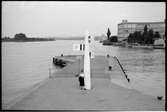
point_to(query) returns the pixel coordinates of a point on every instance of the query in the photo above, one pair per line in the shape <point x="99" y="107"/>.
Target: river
<point x="25" y="64"/>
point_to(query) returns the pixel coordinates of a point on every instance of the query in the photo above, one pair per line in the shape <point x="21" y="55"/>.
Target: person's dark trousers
<point x="81" y="82"/>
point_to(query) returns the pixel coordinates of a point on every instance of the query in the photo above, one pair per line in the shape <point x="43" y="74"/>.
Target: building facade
<point x="125" y="28"/>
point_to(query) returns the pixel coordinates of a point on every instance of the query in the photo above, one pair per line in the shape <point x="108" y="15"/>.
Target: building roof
<point x="142" y="23"/>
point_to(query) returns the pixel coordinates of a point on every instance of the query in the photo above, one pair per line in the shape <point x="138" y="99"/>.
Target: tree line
<point x="147" y="37"/>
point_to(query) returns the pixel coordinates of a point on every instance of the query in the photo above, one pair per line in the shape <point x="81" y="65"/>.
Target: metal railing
<point x="122" y="69"/>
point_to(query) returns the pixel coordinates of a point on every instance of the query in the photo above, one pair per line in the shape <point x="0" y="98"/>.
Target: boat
<point x="59" y="62"/>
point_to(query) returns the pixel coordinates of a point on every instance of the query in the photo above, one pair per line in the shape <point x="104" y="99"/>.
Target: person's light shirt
<point x="82" y="74"/>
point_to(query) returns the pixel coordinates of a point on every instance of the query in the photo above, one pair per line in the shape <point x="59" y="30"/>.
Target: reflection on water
<point x="25" y="64"/>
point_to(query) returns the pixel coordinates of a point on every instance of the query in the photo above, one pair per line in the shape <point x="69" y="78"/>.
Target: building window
<point x="126" y="31"/>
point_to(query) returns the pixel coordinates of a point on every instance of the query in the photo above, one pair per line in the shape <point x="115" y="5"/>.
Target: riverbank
<point x="27" y="39"/>
<point x="107" y="43"/>
<point x="145" y="46"/>
<point x="104" y="95"/>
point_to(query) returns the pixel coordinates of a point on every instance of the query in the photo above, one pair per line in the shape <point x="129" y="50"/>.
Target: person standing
<point x="81" y="80"/>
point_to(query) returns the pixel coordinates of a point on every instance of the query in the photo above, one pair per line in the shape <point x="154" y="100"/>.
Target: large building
<point x="125" y="28"/>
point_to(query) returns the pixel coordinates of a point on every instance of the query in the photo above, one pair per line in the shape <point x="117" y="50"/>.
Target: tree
<point x="145" y="28"/>
<point x="151" y="36"/>
<point x="108" y="34"/>
<point x="20" y="36"/>
<point x="139" y="37"/>
<point x="135" y="37"/>
<point x="145" y="35"/>
<point x="6" y="37"/>
<point x="130" y="37"/>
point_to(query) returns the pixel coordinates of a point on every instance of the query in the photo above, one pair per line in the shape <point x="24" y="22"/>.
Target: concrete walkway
<point x="61" y="93"/>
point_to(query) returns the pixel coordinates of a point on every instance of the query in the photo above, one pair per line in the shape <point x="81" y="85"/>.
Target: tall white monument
<point x="87" y="61"/>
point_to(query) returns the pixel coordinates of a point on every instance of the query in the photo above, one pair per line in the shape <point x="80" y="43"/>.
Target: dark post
<point x="108" y="55"/>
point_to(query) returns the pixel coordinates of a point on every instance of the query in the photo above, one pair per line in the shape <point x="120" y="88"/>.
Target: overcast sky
<point x="73" y="18"/>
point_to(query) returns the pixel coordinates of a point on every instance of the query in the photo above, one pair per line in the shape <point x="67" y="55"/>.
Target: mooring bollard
<point x="110" y="68"/>
<point x="159" y="97"/>
<point x="108" y="55"/>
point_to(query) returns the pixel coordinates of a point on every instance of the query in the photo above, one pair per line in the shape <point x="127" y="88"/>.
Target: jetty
<point x="61" y="91"/>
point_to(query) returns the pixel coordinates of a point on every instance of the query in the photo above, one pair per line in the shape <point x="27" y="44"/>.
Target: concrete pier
<point x="62" y="93"/>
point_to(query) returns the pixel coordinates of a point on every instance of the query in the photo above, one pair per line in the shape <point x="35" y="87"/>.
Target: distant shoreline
<point x="26" y="39"/>
<point x="37" y="39"/>
<point x="69" y="38"/>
